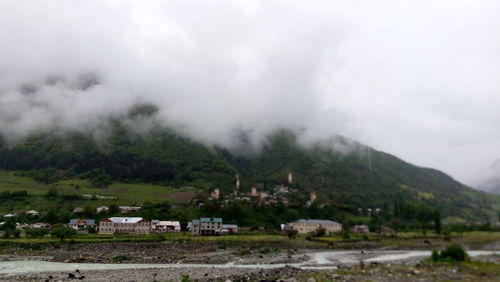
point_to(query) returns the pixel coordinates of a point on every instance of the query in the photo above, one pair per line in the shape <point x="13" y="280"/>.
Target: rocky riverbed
<point x="171" y="261"/>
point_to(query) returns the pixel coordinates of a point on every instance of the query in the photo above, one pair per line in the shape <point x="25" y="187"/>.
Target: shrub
<point x="120" y="258"/>
<point x="291" y="233"/>
<point x="452" y="253"/>
<point x="243" y="252"/>
<point x="320" y="232"/>
<point x="185" y="278"/>
<point x="62" y="232"/>
<point x="36" y="232"/>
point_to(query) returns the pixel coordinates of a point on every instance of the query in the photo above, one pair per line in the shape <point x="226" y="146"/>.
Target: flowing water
<point x="317" y="260"/>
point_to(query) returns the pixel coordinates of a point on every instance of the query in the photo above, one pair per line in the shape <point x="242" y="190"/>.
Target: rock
<point x="71" y="276"/>
<point x="81" y="277"/>
<point x="311" y="280"/>
<point x="416" y="272"/>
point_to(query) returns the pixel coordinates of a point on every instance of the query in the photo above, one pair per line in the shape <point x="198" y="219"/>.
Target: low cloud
<point x="418" y="79"/>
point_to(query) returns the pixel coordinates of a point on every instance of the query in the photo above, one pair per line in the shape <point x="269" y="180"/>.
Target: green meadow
<point x="118" y="192"/>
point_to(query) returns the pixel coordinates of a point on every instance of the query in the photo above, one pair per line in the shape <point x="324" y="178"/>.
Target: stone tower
<point x="313" y="196"/>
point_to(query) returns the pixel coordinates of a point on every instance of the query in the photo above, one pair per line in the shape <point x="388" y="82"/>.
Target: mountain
<point x="339" y="170"/>
<point x="491" y="179"/>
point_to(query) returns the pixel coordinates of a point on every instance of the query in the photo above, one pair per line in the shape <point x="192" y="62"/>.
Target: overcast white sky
<point x="418" y="79"/>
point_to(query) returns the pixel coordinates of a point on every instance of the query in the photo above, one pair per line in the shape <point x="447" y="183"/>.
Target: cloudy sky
<point x="418" y="79"/>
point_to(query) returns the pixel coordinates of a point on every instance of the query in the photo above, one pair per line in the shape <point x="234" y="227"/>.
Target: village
<point x="204" y="226"/>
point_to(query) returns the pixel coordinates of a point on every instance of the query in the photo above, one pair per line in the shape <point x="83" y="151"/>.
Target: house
<point x="32" y="213"/>
<point x="360" y="229"/>
<point x="229" y="228"/>
<point x="310" y="225"/>
<point x="42" y="225"/>
<point x="81" y="224"/>
<point x="206" y="226"/>
<point x="124" y="225"/>
<point x="127" y="209"/>
<point x="22" y="226"/>
<point x="165" y="226"/>
<point x="10" y="215"/>
<point x="78" y="210"/>
<point x="102" y="209"/>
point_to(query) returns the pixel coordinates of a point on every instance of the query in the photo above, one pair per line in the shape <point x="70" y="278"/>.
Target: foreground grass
<point x="427" y="271"/>
<point x="471" y="239"/>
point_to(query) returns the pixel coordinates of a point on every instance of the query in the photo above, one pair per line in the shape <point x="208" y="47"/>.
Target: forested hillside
<point x="354" y="177"/>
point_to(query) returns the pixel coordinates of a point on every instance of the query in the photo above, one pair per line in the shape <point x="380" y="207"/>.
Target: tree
<point x="52" y="193"/>
<point x="320" y="232"/>
<point x="437" y="222"/>
<point x="36" y="232"/>
<point x="51" y="216"/>
<point x="62" y="232"/>
<point x="113" y="209"/>
<point x="291" y="233"/>
<point x="98" y="178"/>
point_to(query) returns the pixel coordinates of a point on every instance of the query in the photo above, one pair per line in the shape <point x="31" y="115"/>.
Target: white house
<point x="310" y="225"/>
<point x="124" y="225"/>
<point x="42" y="225"/>
<point x="165" y="226"/>
<point x="127" y="209"/>
<point x="78" y="210"/>
<point x="102" y="209"/>
<point x="32" y="213"/>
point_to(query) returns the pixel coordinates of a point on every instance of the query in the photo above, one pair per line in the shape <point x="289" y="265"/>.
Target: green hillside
<point x="348" y="177"/>
<point x="154" y="165"/>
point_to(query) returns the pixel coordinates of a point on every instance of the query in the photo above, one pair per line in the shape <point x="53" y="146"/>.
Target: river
<point x="316" y="260"/>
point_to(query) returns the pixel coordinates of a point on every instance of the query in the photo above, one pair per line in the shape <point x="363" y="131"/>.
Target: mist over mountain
<point x="490" y="178"/>
<point x="136" y="148"/>
<point x="381" y="73"/>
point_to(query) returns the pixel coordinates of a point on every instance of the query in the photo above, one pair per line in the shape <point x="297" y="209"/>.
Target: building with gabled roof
<point x="127" y="209"/>
<point x="124" y="225"/>
<point x="32" y="213"/>
<point x="229" y="228"/>
<point x="102" y="209"/>
<point x="81" y="224"/>
<point x="165" y="226"/>
<point x="310" y="225"/>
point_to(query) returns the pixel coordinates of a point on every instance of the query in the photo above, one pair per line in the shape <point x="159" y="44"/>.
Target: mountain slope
<point x="491" y="179"/>
<point x="348" y="176"/>
<point x="338" y="169"/>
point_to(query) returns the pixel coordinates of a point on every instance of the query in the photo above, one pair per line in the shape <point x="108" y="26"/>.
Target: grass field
<point x="473" y="239"/>
<point x="125" y="193"/>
